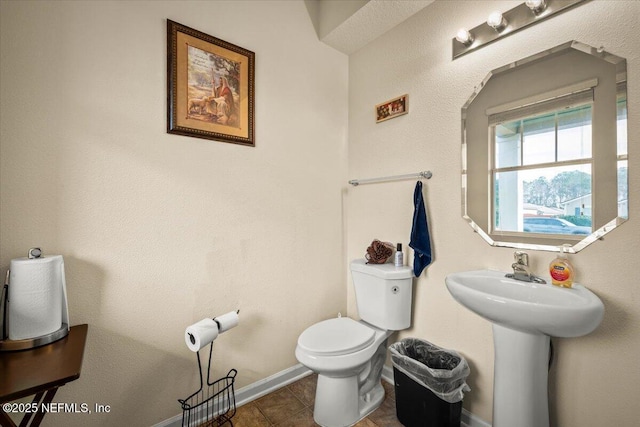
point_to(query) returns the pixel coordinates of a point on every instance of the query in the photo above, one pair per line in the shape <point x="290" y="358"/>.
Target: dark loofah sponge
<point x="379" y="252"/>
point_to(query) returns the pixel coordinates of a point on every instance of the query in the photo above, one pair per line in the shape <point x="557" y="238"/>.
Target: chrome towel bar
<point x="423" y="174"/>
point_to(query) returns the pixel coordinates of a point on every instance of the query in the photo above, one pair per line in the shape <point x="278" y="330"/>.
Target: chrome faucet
<point x="521" y="269"/>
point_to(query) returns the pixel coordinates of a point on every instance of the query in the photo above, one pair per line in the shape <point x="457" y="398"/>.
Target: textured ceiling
<point x="370" y="21"/>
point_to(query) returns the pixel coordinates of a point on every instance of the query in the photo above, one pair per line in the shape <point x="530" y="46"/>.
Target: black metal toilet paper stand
<point x="213" y="404"/>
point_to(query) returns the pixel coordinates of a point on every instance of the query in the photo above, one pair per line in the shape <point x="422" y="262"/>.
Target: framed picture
<point x="393" y="108"/>
<point x="210" y="87"/>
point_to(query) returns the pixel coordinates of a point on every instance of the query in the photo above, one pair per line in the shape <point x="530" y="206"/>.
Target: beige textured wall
<point x="157" y="230"/>
<point x="595" y="379"/>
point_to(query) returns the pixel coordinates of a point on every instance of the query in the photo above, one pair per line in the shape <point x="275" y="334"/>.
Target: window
<point x="542" y="167"/>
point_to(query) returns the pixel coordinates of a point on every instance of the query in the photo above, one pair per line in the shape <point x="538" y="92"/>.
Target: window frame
<point x="552" y="103"/>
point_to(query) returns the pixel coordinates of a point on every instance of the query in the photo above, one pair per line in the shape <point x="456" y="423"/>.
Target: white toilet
<point x="348" y="355"/>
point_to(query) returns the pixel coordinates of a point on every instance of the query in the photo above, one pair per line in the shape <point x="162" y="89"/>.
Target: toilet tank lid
<point x="384" y="271"/>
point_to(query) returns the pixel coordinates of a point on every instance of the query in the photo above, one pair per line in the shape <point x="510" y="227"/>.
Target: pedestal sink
<point x="524" y="316"/>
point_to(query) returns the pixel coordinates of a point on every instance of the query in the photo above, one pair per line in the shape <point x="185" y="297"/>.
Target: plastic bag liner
<point x="442" y="371"/>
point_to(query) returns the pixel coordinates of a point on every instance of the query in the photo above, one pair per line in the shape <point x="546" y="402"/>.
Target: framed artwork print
<point x="210" y="87"/>
<point x="393" y="108"/>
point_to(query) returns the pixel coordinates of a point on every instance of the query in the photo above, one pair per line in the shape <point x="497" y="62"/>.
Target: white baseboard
<point x="255" y="390"/>
<point x="470" y="420"/>
<point x="274" y="382"/>
<point x="283" y="378"/>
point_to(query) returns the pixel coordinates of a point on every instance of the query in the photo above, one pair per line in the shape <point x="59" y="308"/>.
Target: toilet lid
<point x="336" y="336"/>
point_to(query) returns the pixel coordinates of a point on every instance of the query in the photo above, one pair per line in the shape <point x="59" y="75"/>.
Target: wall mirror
<point x="544" y="150"/>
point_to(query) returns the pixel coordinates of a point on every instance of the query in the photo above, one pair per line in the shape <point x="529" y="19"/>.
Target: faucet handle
<point x="521" y="258"/>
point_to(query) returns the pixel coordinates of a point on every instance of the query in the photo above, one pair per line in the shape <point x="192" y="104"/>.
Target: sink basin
<point x="529" y="307"/>
<point x="524" y="315"/>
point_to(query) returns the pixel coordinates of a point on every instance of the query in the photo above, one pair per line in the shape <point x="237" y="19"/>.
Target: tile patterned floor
<point x="292" y="406"/>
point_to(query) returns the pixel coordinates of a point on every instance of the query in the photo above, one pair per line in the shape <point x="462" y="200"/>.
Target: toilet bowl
<point x="348" y="355"/>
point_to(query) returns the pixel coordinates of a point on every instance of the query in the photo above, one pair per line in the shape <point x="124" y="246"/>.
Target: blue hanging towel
<point x="420" y="239"/>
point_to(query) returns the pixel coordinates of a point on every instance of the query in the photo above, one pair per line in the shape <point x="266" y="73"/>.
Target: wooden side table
<point x="40" y="371"/>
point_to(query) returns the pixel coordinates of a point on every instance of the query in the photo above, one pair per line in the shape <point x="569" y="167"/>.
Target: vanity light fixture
<point x="502" y="24"/>
<point x="536" y="6"/>
<point x="496" y="21"/>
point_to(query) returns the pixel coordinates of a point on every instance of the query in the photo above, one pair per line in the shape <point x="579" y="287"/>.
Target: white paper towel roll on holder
<point x="25" y="344"/>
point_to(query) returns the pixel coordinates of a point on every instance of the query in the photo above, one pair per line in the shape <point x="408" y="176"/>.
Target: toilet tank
<point x="383" y="294"/>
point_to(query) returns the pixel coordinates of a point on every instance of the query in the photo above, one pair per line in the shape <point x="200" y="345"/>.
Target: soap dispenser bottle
<point x="399" y="257"/>
<point x="561" y="270"/>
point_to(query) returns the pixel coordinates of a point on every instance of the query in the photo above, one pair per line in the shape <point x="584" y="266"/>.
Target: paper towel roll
<point x="37" y="297"/>
<point x="227" y="321"/>
<point x="200" y="334"/>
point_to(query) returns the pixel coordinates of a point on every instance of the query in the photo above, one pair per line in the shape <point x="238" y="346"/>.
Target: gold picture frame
<point x="392" y="108"/>
<point x="210" y="87"/>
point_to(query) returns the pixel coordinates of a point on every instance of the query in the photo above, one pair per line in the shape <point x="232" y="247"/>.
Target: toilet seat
<point x="335" y="337"/>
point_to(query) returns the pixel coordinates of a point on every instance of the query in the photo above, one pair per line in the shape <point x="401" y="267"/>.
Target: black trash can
<point x="429" y="383"/>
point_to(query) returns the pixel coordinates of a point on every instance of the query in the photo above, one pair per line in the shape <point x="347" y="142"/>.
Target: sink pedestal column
<point x="520" y="389"/>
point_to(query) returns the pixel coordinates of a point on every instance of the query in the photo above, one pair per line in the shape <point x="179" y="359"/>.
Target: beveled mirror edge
<point x="598" y="234"/>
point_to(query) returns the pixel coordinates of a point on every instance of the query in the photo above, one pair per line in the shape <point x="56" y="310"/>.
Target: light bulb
<point x="464" y="36"/>
<point x="496" y="21"/>
<point x="536" y="6"/>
